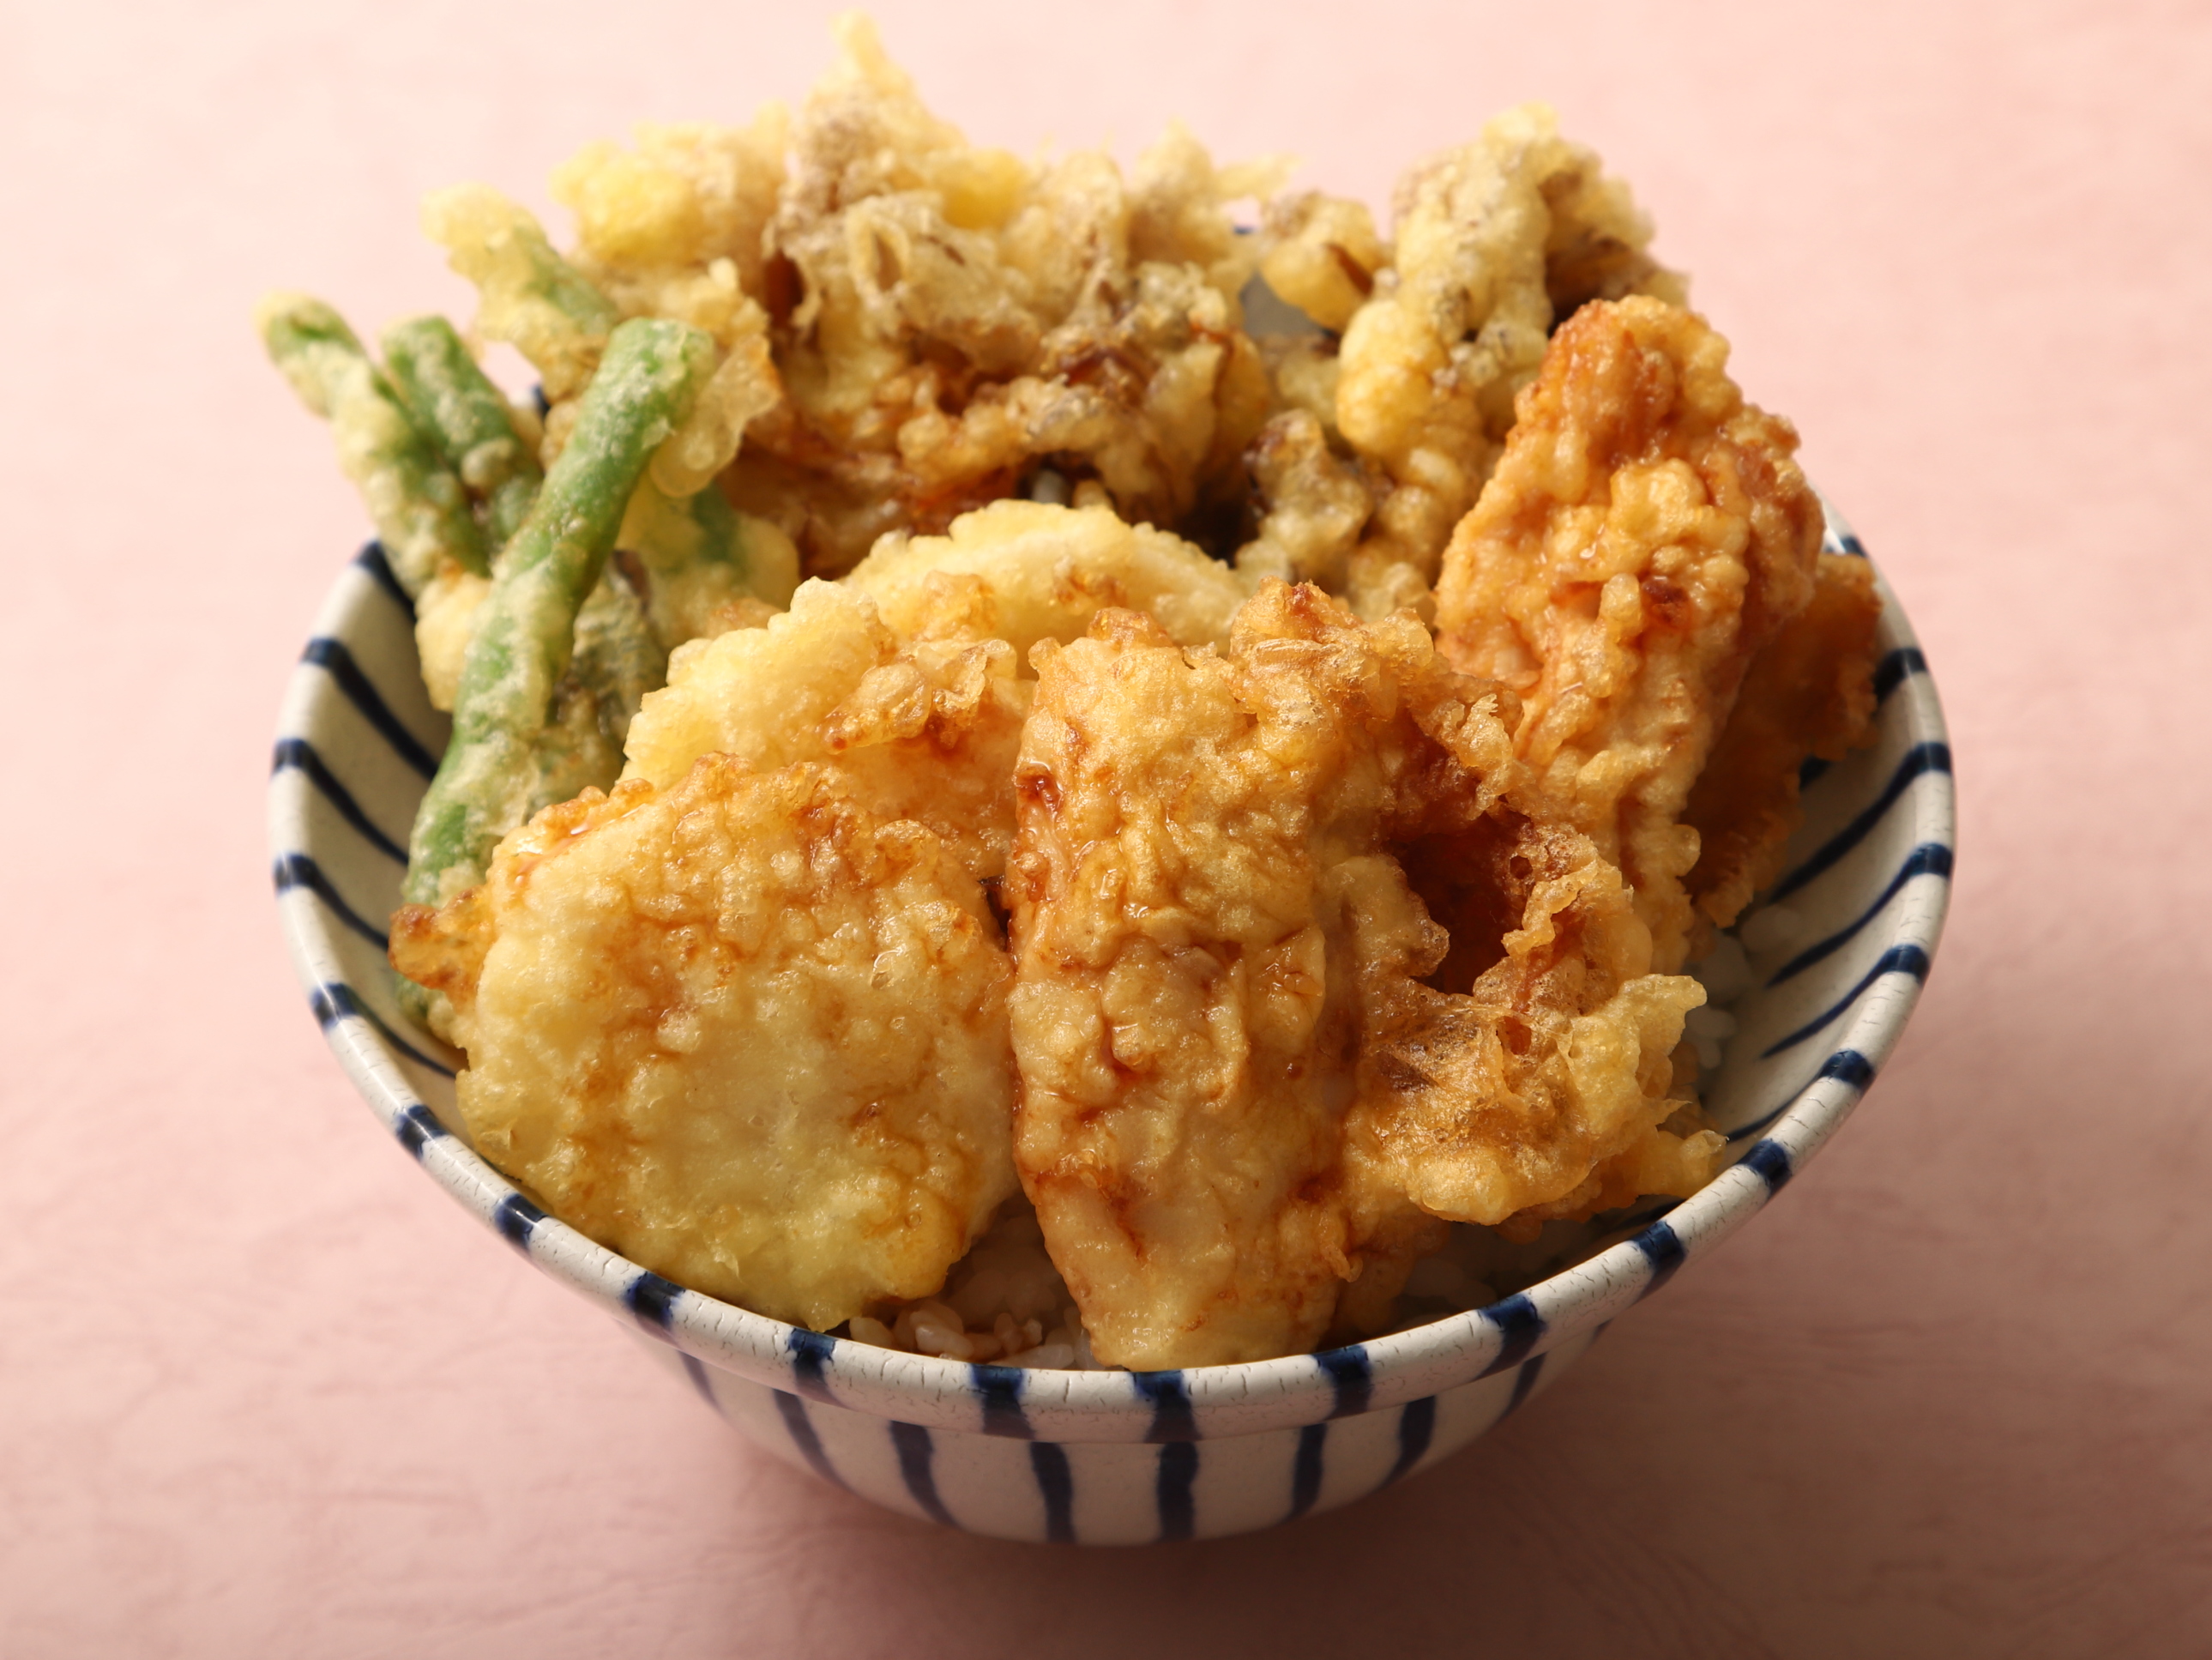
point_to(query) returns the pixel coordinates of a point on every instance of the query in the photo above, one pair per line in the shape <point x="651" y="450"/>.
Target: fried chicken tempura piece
<point x="1046" y="571"/>
<point x="1809" y="692"/>
<point x="1547" y="1089"/>
<point x="1646" y="534"/>
<point x="1238" y="1098"/>
<point x="925" y="729"/>
<point x="1496" y="240"/>
<point x="743" y="1031"/>
<point x="1178" y="905"/>
<point x="904" y="677"/>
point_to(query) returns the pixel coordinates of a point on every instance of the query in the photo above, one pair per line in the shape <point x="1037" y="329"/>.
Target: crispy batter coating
<point x="1322" y="255"/>
<point x="1646" y="534"/>
<point x="1237" y="1093"/>
<point x="904" y="676"/>
<point x="445" y="615"/>
<point x="1496" y="240"/>
<point x="947" y="316"/>
<point x="924" y="729"/>
<point x="651" y="220"/>
<point x="673" y="227"/>
<point x="694" y="583"/>
<point x="1809" y="692"/>
<point x="1327" y="934"/>
<point x="1046" y="571"/>
<point x="523" y="298"/>
<point x="1547" y="1089"/>
<point x="743" y="1031"/>
<point x="1312" y="505"/>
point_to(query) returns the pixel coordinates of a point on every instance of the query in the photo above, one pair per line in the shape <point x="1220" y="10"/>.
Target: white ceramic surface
<point x="1113" y="1456"/>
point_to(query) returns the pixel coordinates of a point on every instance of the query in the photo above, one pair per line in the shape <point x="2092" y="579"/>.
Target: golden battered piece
<point x="743" y="1031"/>
<point x="1809" y="692"/>
<point x="947" y="317"/>
<point x="923" y="729"/>
<point x="1311" y="505"/>
<point x="1046" y="571"/>
<point x="1646" y="534"/>
<point x="1547" y="1089"/>
<point x="1327" y="934"/>
<point x="673" y="228"/>
<point x="1496" y="242"/>
<point x="904" y="676"/>
<point x="1322" y="255"/>
<point x="1238" y="1095"/>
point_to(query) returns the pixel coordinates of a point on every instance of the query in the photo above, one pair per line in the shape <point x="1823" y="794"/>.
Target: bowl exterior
<point x="1839" y="951"/>
<point x="1007" y="1484"/>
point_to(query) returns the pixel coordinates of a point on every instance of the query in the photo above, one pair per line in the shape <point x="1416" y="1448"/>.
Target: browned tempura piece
<point x="1809" y="692"/>
<point x="1238" y="1097"/>
<point x="1646" y="534"/>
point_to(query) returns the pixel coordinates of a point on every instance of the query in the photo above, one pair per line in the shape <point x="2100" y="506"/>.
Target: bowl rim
<point x="1188" y="1403"/>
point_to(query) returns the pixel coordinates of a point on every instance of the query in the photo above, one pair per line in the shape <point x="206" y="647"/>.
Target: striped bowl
<point x="1837" y="953"/>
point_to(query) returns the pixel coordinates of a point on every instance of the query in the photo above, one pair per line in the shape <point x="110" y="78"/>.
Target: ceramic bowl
<point x="1837" y="953"/>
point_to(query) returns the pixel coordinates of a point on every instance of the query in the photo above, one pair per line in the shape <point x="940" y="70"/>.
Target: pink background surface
<point x="263" y="1390"/>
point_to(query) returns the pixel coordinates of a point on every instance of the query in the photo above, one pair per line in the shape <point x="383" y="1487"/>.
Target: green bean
<point x="415" y="500"/>
<point x="524" y="635"/>
<point x="617" y="660"/>
<point x="456" y="402"/>
<point x="529" y="295"/>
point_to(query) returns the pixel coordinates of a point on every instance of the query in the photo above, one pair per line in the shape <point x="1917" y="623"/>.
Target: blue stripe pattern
<point x="696" y="1371"/>
<point x="1919" y="760"/>
<point x="1172" y="1418"/>
<point x="1522" y="1326"/>
<point x="417" y="1127"/>
<point x="334" y="660"/>
<point x="1178" y="1475"/>
<point x="1417" y="1424"/>
<point x="811" y="1354"/>
<point x="1663" y="1250"/>
<point x="652" y="1300"/>
<point x="517" y="1220"/>
<point x="1770" y="1161"/>
<point x="1889" y="674"/>
<point x="1354" y="1378"/>
<point x="915" y="1449"/>
<point x="1524" y="1385"/>
<point x="1847" y="1066"/>
<point x="296" y="870"/>
<point x="1000" y="1388"/>
<point x="297" y="754"/>
<point x="1928" y="858"/>
<point x="792" y="1411"/>
<point x="372" y="560"/>
<point x="335" y="1001"/>
<point x="1892" y="672"/>
<point x="1056" y="1483"/>
<point x="1851" y="1067"/>
<point x="1898" y="959"/>
<point x="1306" y="1470"/>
